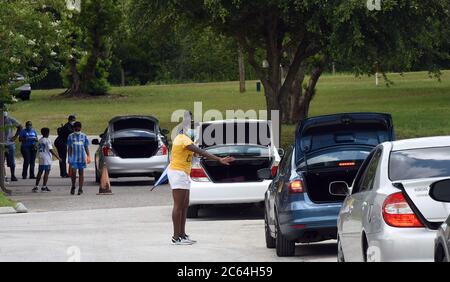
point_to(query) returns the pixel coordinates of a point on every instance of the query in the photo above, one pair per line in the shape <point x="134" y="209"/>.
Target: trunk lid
<point x="147" y="123"/>
<point x="356" y="129"/>
<point x="418" y="191"/>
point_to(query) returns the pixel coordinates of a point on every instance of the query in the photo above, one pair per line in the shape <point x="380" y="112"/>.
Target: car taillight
<point x="162" y="151"/>
<point x="107" y="151"/>
<point x="398" y="213"/>
<point x="296" y="186"/>
<point x="198" y="174"/>
<point x="274" y="170"/>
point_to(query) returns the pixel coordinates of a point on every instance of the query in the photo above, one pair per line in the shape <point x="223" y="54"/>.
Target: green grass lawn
<point x="5" y="202"/>
<point x="420" y="105"/>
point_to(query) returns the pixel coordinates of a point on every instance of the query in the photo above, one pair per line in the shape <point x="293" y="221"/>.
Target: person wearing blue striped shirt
<point x="79" y="156"/>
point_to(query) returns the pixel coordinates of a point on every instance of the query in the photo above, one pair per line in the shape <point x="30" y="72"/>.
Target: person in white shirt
<point x="46" y="154"/>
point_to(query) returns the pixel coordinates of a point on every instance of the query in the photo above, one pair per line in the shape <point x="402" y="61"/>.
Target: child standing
<point x="46" y="151"/>
<point x="78" y="152"/>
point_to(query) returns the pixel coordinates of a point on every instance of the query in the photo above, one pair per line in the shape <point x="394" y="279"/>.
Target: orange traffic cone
<point x="105" y="184"/>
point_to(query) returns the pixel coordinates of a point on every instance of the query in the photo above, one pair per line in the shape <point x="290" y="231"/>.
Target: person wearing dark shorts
<point x="29" y="137"/>
<point x="45" y="150"/>
<point x="61" y="144"/>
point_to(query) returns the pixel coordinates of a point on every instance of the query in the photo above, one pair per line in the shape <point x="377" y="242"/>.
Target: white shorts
<point x="178" y="179"/>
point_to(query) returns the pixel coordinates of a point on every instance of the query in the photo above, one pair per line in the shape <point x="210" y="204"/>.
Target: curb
<point x="7" y="210"/>
<point x="20" y="208"/>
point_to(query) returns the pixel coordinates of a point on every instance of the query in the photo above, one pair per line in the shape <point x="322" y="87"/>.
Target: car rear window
<point x="419" y="163"/>
<point x="255" y="133"/>
<point x="134" y="123"/>
<point x="247" y="151"/>
<point x="336" y="159"/>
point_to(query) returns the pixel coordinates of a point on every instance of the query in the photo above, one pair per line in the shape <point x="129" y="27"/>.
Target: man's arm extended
<point x="19" y="129"/>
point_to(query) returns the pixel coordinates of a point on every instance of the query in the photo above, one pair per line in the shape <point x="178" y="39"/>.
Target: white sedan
<point x="388" y="214"/>
<point x="251" y="143"/>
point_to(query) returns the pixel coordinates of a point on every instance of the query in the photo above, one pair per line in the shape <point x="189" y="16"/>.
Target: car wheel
<point x="157" y="176"/>
<point x="365" y="248"/>
<point x="340" y="254"/>
<point x="24" y="95"/>
<point x="284" y="247"/>
<point x="270" y="241"/>
<point x="439" y="255"/>
<point x="192" y="212"/>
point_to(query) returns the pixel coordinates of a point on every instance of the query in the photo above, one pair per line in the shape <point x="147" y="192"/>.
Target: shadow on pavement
<point x="132" y="183"/>
<point x="316" y="250"/>
<point x="238" y="212"/>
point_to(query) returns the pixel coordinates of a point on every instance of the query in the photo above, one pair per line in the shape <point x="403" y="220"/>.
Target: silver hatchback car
<point x="388" y="214"/>
<point x="132" y="146"/>
<point x="440" y="191"/>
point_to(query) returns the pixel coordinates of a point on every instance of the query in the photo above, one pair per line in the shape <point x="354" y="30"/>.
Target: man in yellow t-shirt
<point x="178" y="173"/>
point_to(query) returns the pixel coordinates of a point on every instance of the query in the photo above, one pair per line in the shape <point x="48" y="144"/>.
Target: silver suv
<point x="132" y="146"/>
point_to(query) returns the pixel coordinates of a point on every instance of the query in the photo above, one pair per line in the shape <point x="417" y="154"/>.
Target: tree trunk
<point x="2" y="152"/>
<point x="75" y="87"/>
<point x="89" y="71"/>
<point x="122" y="76"/>
<point x="295" y="101"/>
<point x="241" y="71"/>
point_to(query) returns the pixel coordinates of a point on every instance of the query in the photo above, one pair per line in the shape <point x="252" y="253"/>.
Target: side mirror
<point x="281" y="152"/>
<point x="265" y="173"/>
<point x="165" y="131"/>
<point x="95" y="142"/>
<point x="440" y="191"/>
<point x="339" y="188"/>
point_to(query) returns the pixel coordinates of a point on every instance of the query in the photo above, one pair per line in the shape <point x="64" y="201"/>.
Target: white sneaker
<point x="180" y="241"/>
<point x="187" y="238"/>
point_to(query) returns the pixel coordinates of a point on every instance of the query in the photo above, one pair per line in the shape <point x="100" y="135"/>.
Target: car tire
<point x="157" y="176"/>
<point x="284" y="247"/>
<point x="439" y="255"/>
<point x="270" y="241"/>
<point x="340" y="253"/>
<point x="24" y="95"/>
<point x="192" y="212"/>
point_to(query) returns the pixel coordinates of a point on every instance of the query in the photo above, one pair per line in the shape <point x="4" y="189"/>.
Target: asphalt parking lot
<point x="134" y="224"/>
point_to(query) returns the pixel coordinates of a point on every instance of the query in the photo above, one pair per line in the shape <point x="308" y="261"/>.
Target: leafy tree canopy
<point x="304" y="36"/>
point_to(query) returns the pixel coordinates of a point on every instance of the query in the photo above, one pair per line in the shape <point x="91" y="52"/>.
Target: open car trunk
<point x="134" y="136"/>
<point x="130" y="144"/>
<point x="248" y="141"/>
<point x="318" y="183"/>
<point x="244" y="169"/>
